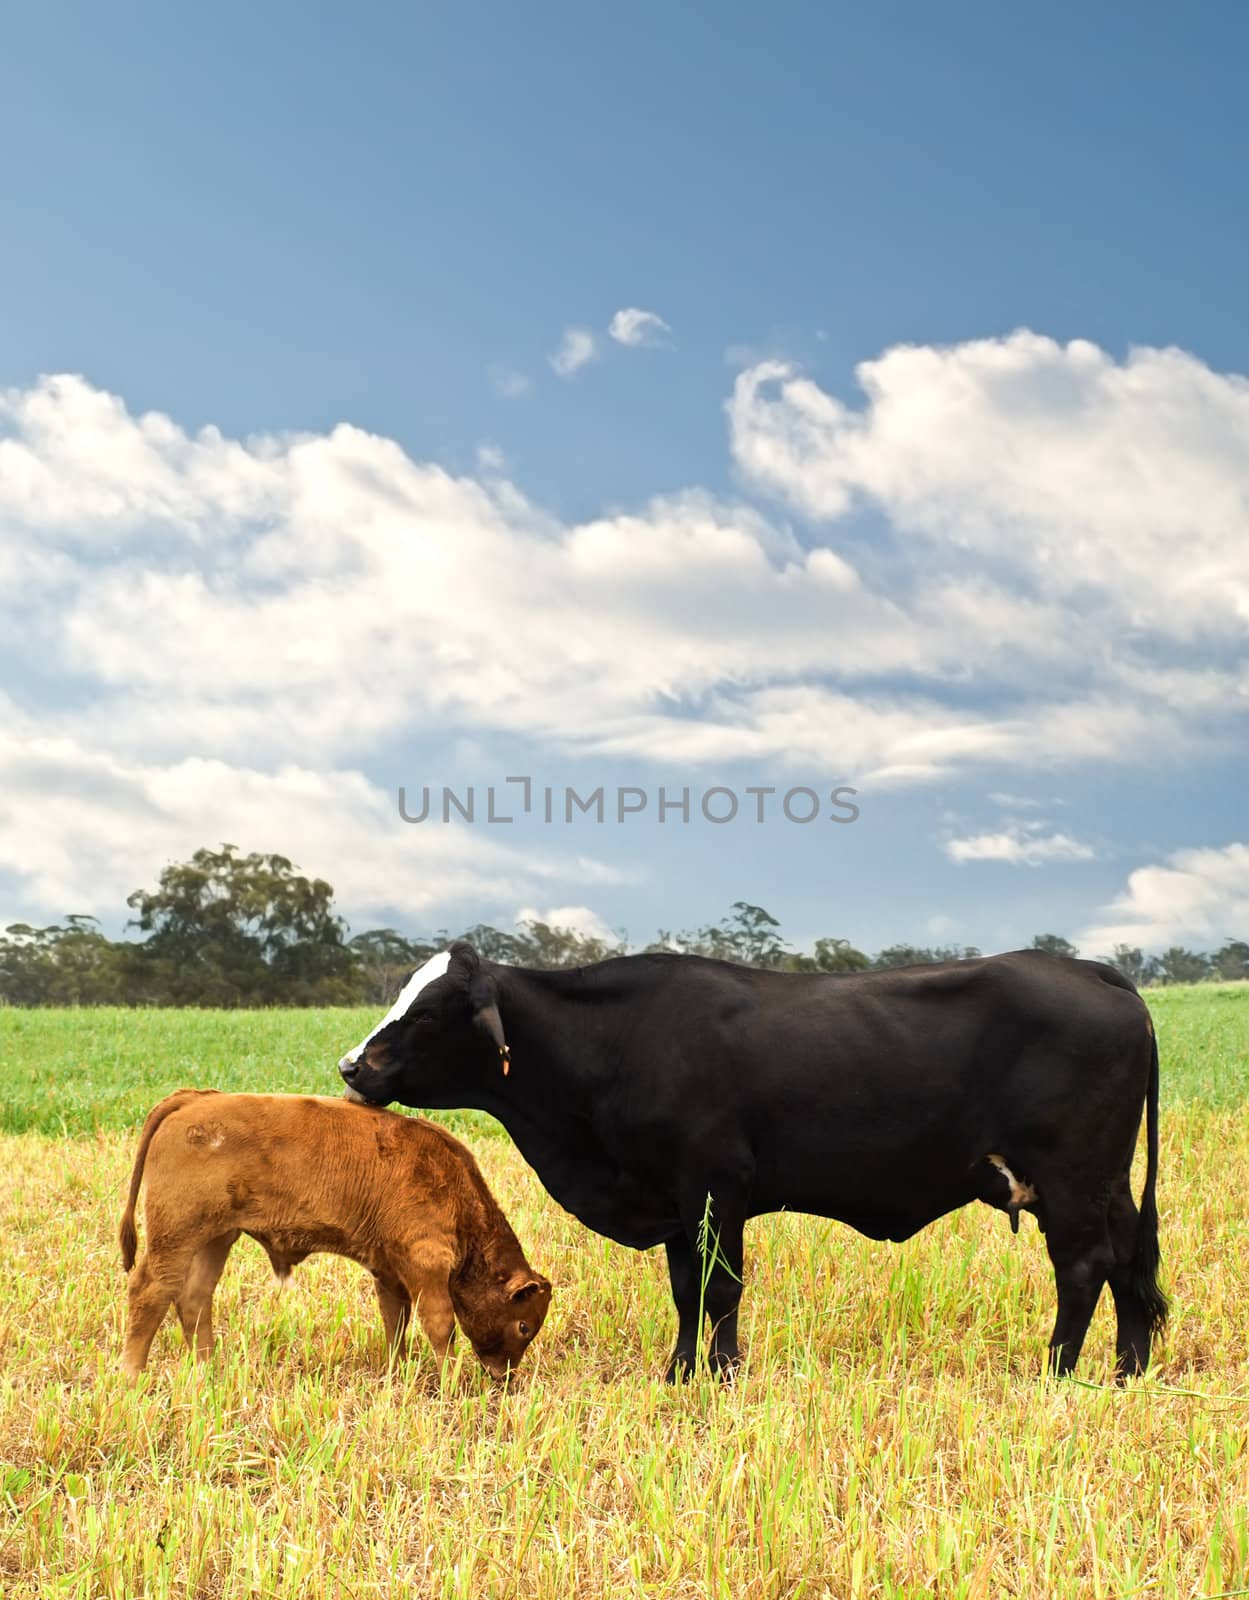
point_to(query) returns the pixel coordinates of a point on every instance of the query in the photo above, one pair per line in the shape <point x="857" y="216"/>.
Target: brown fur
<point x="302" y="1173"/>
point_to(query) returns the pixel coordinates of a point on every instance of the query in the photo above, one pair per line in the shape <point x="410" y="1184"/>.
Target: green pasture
<point x="81" y="1071"/>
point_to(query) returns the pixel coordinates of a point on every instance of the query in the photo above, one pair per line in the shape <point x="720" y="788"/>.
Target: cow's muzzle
<point x="348" y="1069"/>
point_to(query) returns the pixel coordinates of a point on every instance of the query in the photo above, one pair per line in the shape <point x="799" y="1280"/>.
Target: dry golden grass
<point x="890" y="1436"/>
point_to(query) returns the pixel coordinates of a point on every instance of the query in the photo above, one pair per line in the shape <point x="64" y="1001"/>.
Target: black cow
<point x="654" y="1093"/>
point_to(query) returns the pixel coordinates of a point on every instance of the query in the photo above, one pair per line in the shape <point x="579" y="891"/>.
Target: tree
<point x="539" y="944"/>
<point x="1054" y="945"/>
<point x="1179" y="965"/>
<point x="747" y="936"/>
<point x="1131" y="963"/>
<point x="73" y="964"/>
<point x="227" y="929"/>
<point x="383" y="958"/>
<point x="1231" y="960"/>
<point x="909" y="955"/>
<point x="830" y="955"/>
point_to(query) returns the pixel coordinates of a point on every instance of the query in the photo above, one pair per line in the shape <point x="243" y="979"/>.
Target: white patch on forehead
<point x="420" y="979"/>
<point x="1021" y="1194"/>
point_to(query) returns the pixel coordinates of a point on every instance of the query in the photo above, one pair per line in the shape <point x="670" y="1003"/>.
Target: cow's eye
<point x="524" y="1329"/>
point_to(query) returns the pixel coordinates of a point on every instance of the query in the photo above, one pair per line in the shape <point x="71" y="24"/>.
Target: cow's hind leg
<point x="1133" y="1310"/>
<point x="1078" y="1238"/>
<point x="195" y="1297"/>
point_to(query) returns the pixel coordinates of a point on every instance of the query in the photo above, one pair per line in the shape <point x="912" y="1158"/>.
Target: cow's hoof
<point x="680" y="1368"/>
<point x="725" y="1366"/>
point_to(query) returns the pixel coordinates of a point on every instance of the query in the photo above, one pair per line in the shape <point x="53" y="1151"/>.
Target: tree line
<point x="227" y="929"/>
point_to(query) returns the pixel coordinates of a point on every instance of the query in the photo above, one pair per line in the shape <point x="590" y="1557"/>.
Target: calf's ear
<point x="521" y="1287"/>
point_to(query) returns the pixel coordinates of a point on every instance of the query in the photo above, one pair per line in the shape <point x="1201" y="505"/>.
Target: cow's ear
<point x="465" y="962"/>
<point x="483" y="998"/>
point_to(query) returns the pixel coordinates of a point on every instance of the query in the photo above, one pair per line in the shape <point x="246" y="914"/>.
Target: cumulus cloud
<point x="1117" y="488"/>
<point x="1063" y="543"/>
<point x="576" y="348"/>
<point x="1198" y="897"/>
<point x="1018" y="847"/>
<point x="631" y="326"/>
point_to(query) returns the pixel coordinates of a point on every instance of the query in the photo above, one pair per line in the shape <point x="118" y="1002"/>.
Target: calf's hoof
<point x="725" y="1365"/>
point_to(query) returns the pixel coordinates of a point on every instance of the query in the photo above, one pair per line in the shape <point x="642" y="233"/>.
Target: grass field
<point x="890" y="1435"/>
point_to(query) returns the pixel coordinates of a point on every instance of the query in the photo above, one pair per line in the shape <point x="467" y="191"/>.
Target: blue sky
<point x="1023" y="632"/>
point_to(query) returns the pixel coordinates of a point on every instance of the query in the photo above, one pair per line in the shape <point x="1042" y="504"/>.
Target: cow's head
<point x="501" y="1316"/>
<point x="443" y="1030"/>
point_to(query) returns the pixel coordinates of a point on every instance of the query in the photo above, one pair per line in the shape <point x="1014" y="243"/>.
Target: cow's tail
<point x="1144" y="1265"/>
<point x="127" y="1236"/>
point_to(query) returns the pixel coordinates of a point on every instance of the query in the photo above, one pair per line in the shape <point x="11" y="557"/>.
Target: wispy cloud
<point x="509" y="383"/>
<point x="1019" y="847"/>
<point x="576" y="348"/>
<point x="634" y="327"/>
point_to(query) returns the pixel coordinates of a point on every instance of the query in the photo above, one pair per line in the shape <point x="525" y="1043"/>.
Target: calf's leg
<point x="428" y="1289"/>
<point x="150" y="1290"/>
<point x="396" y="1308"/>
<point x="195" y="1298"/>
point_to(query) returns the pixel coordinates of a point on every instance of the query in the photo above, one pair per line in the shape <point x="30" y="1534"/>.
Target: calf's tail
<point x="127" y="1236"/>
<point x="1144" y="1265"/>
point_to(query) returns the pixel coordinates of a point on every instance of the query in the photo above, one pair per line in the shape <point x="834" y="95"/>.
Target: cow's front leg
<point x="715" y="1219"/>
<point x="683" y="1276"/>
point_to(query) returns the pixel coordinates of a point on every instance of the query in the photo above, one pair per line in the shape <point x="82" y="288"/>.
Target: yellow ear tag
<point x="505" y="1055"/>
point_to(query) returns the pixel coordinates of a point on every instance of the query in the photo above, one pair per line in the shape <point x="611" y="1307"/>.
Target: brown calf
<point x="303" y="1173"/>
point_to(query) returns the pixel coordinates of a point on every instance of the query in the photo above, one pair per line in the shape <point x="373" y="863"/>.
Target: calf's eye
<point x="524" y="1329"/>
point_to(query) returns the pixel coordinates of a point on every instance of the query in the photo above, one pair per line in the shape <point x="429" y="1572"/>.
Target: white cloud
<point x="1198" y="897"/>
<point x="1119" y="489"/>
<point x="631" y="326"/>
<point x="576" y="348"/>
<point x="1018" y="847"/>
<point x="509" y="383"/>
<point x="577" y="919"/>
<point x="1058" y="573"/>
<point x="80" y="829"/>
<point x="255" y="601"/>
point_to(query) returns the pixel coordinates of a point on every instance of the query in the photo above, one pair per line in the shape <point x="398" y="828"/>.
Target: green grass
<point x="1203" y="1042"/>
<point x="89" y="1069"/>
<point x="84" y="1070"/>
<point x="890" y="1437"/>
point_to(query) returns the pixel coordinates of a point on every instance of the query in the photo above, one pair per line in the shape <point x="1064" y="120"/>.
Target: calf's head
<point x="501" y="1316"/>
<point x="442" y="1031"/>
